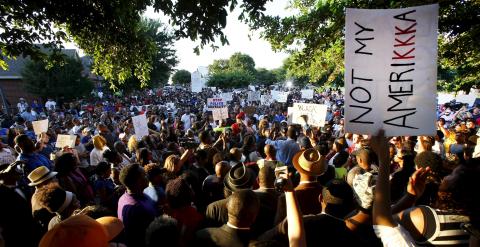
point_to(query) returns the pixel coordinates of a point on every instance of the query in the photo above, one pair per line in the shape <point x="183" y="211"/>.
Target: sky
<point x="237" y="34"/>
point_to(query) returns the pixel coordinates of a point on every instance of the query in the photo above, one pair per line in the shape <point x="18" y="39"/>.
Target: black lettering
<point x="358" y="78"/>
<point x="365" y="90"/>
<point x="359" y="50"/>
<point x="368" y="109"/>
<point x="403" y="16"/>
<point x="404" y="120"/>
<point x="399" y="102"/>
<point x="399" y="76"/>
<point x="401" y="89"/>
<point x="402" y="64"/>
<point x="363" y="29"/>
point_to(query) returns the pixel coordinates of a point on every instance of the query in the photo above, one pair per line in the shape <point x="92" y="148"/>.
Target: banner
<point x="220" y="113"/>
<point x="40" y="126"/>
<point x="279" y="96"/>
<point x="140" y="126"/>
<point x="312" y="114"/>
<point x="307" y="94"/>
<point x="226" y="96"/>
<point x="266" y="99"/>
<point x="391" y="70"/>
<point x="215" y="103"/>
<point x="254" y="96"/>
<point x="66" y="141"/>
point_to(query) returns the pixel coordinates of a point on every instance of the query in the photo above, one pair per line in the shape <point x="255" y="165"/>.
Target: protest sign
<point x="226" y="96"/>
<point x="140" y="126"/>
<point x="66" y="141"/>
<point x="254" y="96"/>
<point x="391" y="70"/>
<point x="307" y="94"/>
<point x="313" y="114"/>
<point x="220" y="113"/>
<point x="251" y="87"/>
<point x="170" y="105"/>
<point x="40" y="126"/>
<point x="215" y="103"/>
<point x="266" y="99"/>
<point x="279" y="96"/>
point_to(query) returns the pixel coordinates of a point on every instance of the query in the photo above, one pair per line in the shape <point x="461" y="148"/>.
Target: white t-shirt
<point x="50" y="105"/>
<point x="187" y="122"/>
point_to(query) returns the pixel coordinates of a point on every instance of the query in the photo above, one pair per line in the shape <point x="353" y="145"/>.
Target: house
<point x="12" y="87"/>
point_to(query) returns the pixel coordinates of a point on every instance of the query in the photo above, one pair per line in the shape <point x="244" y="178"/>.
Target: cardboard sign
<point x="391" y="70"/>
<point x="226" y="96"/>
<point x="65" y="141"/>
<point x="279" y="96"/>
<point x="215" y="103"/>
<point x="312" y="114"/>
<point x="40" y="126"/>
<point x="254" y="96"/>
<point x="220" y="113"/>
<point x="307" y="94"/>
<point x="266" y="99"/>
<point x="140" y="126"/>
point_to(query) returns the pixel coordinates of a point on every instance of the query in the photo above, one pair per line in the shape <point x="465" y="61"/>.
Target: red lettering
<point x="405" y="43"/>
<point x="403" y="56"/>
<point x="406" y="31"/>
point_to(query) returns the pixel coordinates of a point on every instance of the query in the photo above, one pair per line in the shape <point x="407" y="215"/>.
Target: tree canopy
<point x="314" y="38"/>
<point x="182" y="77"/>
<point x="111" y="31"/>
<point x="62" y="80"/>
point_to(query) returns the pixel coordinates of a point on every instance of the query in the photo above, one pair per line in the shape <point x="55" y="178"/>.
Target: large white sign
<point x="40" y="126"/>
<point x="220" y="113"/>
<point x="307" y="94"/>
<point x="140" y="126"/>
<point x="279" y="96"/>
<point x="65" y="141"/>
<point x="391" y="70"/>
<point x="254" y="96"/>
<point x="312" y="114"/>
<point x="215" y="103"/>
<point x="226" y="96"/>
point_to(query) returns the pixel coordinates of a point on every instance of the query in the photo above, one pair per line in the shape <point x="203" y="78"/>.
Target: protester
<point x="235" y="181"/>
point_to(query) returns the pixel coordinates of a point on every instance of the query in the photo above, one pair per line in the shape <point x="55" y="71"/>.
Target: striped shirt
<point x="442" y="228"/>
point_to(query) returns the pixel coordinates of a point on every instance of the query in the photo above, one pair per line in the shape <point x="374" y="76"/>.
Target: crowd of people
<point x="252" y="179"/>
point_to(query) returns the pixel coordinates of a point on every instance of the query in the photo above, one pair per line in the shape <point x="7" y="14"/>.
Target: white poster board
<point x="266" y="99"/>
<point x="140" y="126"/>
<point x="215" y="103"/>
<point x="307" y="94"/>
<point x="226" y="96"/>
<point x="65" y="141"/>
<point x="220" y="113"/>
<point x="254" y="96"/>
<point x="279" y="96"/>
<point x="251" y="87"/>
<point x="391" y="70"/>
<point x="40" y="126"/>
<point x="314" y="114"/>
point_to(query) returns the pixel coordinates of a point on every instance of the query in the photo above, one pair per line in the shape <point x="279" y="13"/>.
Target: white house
<point x="199" y="79"/>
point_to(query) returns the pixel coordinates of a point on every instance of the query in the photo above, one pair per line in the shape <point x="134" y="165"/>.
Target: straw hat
<point x="81" y="230"/>
<point x="310" y="162"/>
<point x="40" y="175"/>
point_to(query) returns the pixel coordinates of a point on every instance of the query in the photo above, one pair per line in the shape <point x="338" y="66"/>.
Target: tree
<point x="182" y="77"/>
<point x="314" y="37"/>
<point x="111" y="31"/>
<point x="60" y="80"/>
<point x="230" y="79"/>
<point x="265" y="77"/>
<point x="241" y="62"/>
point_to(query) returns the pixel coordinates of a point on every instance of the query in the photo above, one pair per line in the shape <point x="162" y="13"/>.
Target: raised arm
<point x="296" y="230"/>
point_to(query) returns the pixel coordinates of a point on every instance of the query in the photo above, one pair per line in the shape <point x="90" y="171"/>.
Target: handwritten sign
<point x="312" y="114"/>
<point x="220" y="113"/>
<point x="391" y="70"/>
<point x="40" y="126"/>
<point x="279" y="96"/>
<point x="140" y="126"/>
<point x="65" y="141"/>
<point x="215" y="103"/>
<point x="307" y="94"/>
<point x="254" y="96"/>
<point x="226" y="96"/>
<point x="266" y="99"/>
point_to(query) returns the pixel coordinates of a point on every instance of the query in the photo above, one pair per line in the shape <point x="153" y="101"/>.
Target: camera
<point x="188" y="143"/>
<point x="280" y="182"/>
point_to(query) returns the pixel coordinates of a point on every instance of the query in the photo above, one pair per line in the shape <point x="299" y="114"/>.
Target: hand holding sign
<point x="40" y="126"/>
<point x="65" y="141"/>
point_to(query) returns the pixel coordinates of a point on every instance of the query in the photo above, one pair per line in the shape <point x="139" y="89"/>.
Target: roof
<point x="15" y="66"/>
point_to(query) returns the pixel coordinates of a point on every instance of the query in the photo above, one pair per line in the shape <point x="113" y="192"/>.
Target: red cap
<point x="240" y="115"/>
